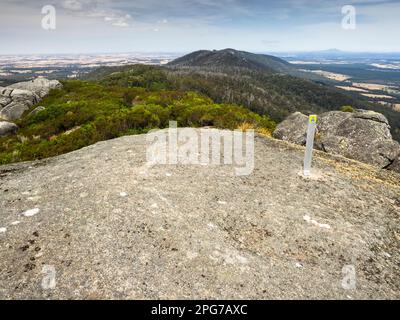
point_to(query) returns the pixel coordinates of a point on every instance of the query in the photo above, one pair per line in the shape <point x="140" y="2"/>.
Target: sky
<point x="117" y="26"/>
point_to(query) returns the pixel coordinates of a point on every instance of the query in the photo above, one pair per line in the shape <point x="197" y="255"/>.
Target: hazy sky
<point x="89" y="26"/>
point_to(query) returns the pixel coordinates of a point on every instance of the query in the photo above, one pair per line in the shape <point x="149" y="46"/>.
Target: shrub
<point x="347" y="109"/>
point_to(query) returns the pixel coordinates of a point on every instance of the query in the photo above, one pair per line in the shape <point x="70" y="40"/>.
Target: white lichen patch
<point x="14" y="223"/>
<point x="308" y="219"/>
<point x="31" y="212"/>
<point x="229" y="257"/>
<point x="212" y="226"/>
<point x="191" y="255"/>
<point x="34" y="199"/>
<point x="3" y="230"/>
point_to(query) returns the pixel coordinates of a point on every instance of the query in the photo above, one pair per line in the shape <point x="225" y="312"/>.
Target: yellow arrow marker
<point x="313" y="119"/>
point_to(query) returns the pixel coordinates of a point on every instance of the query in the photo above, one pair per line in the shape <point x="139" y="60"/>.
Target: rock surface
<point x="363" y="135"/>
<point x="14" y="102"/>
<point x="19" y="97"/>
<point x="395" y="166"/>
<point x="40" y="86"/>
<point x="112" y="227"/>
<point x="7" y="128"/>
<point x="37" y="110"/>
<point x="293" y="129"/>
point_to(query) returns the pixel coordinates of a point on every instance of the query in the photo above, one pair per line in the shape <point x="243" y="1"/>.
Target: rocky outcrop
<point x="293" y="129"/>
<point x="110" y="226"/>
<point x="19" y="97"/>
<point x="363" y="135"/>
<point x="14" y="102"/>
<point x="7" y="128"/>
<point x="40" y="86"/>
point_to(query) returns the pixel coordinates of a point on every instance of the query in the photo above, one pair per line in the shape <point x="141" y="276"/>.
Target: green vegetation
<point x="347" y="109"/>
<point x="276" y="95"/>
<point x="273" y="94"/>
<point x="83" y="113"/>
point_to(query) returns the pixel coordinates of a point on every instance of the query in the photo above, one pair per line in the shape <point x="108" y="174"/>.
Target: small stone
<point x="7" y="128"/>
<point x="31" y="212"/>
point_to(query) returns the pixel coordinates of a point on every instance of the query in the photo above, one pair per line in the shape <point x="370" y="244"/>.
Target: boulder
<point x="293" y="129"/>
<point x="14" y="102"/>
<point x="20" y="97"/>
<point x="41" y="86"/>
<point x="363" y="135"/>
<point x="7" y="128"/>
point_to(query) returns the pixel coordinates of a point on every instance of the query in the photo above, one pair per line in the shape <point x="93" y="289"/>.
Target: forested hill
<point x="264" y="92"/>
<point x="264" y="84"/>
<point x="230" y="58"/>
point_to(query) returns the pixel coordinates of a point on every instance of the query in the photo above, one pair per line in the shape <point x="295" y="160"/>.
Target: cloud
<point x="94" y="9"/>
<point x="72" y="5"/>
<point x="183" y="25"/>
<point x="79" y="5"/>
<point x="118" y="21"/>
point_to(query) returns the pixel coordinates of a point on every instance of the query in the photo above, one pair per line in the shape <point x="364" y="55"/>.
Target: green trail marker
<point x="312" y="126"/>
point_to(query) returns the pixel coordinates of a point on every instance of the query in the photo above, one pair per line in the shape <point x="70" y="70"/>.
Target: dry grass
<point x="369" y="175"/>
<point x="352" y="89"/>
<point x="379" y="96"/>
<point x="246" y="126"/>
<point x="264" y="132"/>
<point x="361" y="171"/>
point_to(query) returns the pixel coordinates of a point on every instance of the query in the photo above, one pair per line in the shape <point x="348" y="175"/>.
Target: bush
<point x="347" y="109"/>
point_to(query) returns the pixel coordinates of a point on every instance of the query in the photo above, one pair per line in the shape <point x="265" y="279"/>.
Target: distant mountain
<point x="230" y="58"/>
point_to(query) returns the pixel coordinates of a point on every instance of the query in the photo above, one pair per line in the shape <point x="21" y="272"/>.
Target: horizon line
<point x="188" y="51"/>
